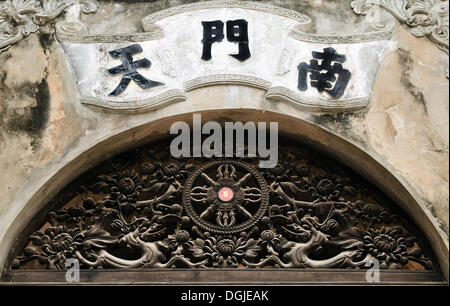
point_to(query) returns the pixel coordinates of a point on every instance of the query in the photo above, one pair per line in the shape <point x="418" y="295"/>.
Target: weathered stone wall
<point x="43" y="126"/>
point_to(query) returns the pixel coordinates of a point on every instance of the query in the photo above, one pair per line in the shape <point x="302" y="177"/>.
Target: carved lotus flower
<point x="223" y="252"/>
<point x="57" y="239"/>
<point x="182" y="236"/>
<point x="178" y="241"/>
<point x="271" y="241"/>
<point x="126" y="187"/>
<point x="387" y="245"/>
<point x="374" y="214"/>
<point x="172" y="168"/>
<point x="57" y="244"/>
<point x="60" y="243"/>
<point x="267" y="235"/>
<point x="172" y="171"/>
<point x="147" y="168"/>
<point x="226" y="247"/>
<point x="325" y="187"/>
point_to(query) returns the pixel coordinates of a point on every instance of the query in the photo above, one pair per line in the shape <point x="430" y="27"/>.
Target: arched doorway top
<point x="304" y="131"/>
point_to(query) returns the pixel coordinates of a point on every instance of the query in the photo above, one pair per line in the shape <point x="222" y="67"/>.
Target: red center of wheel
<point x="226" y="194"/>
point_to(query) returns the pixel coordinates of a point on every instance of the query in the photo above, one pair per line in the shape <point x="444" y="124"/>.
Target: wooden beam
<point x="224" y="277"/>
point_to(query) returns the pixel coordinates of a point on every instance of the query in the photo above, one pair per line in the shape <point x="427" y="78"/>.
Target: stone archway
<point x="304" y="131"/>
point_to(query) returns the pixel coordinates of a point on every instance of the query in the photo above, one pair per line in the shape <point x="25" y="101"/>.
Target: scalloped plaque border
<point x="251" y="5"/>
<point x="340" y="39"/>
<point x="284" y="94"/>
<point x="277" y="93"/>
<point x="153" y="103"/>
<point x="220" y="79"/>
<point x="132" y="37"/>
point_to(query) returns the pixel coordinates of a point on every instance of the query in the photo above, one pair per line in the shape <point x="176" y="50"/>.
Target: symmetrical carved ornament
<point x="425" y="17"/>
<point x="147" y="210"/>
<point x="20" y="18"/>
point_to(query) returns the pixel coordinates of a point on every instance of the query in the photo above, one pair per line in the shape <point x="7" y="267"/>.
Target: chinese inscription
<point x="128" y="69"/>
<point x="237" y="31"/>
<point x="327" y="76"/>
<point x="323" y="75"/>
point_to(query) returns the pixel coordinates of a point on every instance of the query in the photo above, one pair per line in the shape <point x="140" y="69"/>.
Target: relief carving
<point x="20" y="18"/>
<point x="425" y="17"/>
<point x="145" y="209"/>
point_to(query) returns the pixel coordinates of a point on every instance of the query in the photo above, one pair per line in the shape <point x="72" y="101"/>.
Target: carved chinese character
<point x="212" y="32"/>
<point x="237" y="31"/>
<point x="323" y="76"/>
<point x="128" y="69"/>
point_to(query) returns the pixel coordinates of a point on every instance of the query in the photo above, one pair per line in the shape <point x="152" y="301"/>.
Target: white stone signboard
<point x="224" y="42"/>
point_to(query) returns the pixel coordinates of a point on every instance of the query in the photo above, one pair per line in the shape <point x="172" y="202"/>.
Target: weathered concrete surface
<point x="43" y="127"/>
<point x="407" y="119"/>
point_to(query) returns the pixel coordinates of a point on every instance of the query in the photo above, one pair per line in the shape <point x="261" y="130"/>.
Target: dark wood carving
<point x="145" y="209"/>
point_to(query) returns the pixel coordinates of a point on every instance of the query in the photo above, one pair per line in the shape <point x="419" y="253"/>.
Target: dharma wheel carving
<point x="144" y="209"/>
<point x="230" y="203"/>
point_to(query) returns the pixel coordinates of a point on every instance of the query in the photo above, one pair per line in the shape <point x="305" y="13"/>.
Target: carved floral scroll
<point x="146" y="210"/>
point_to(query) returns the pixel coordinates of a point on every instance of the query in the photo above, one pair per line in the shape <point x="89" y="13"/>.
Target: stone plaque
<point x="224" y="42"/>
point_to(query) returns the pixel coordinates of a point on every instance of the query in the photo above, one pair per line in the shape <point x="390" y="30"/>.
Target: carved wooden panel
<point x="144" y="209"/>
